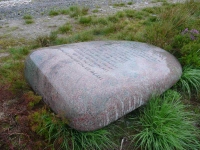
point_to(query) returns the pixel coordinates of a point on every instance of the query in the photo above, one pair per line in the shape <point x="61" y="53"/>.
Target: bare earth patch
<point x="4" y="54"/>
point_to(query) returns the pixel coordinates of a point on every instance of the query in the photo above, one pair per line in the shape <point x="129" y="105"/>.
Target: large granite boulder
<point x="95" y="83"/>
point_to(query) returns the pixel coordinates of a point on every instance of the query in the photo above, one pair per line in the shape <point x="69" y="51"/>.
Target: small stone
<point x="95" y="83"/>
<point x="3" y="54"/>
<point x="1" y="115"/>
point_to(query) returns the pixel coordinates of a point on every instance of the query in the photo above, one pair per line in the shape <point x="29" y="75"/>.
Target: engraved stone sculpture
<point x="95" y="83"/>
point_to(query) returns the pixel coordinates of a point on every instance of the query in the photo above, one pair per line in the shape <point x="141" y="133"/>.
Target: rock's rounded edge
<point x="87" y="126"/>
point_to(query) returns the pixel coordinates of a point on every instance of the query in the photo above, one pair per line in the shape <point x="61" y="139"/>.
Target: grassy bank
<point x="169" y="121"/>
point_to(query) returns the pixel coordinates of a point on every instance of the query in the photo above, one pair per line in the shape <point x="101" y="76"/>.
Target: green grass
<point x="64" y="11"/>
<point x="28" y="19"/>
<point x="85" y="20"/>
<point x="119" y="5"/>
<point x="45" y="40"/>
<point x="190" y="53"/>
<point x="65" y="28"/>
<point x="95" y="11"/>
<point x="19" y="52"/>
<point x="59" y="12"/>
<point x="170" y="21"/>
<point x="164" y="124"/>
<point x="54" y="13"/>
<point x="62" y="136"/>
<point x="80" y="37"/>
<point x="11" y="69"/>
<point x="113" y="19"/>
<point x="120" y="14"/>
<point x="11" y="74"/>
<point x="7" y="42"/>
<point x="76" y="11"/>
<point x="155" y="1"/>
<point x="130" y="3"/>
<point x="153" y="10"/>
<point x="130" y="13"/>
<point x="101" y="20"/>
<point x="190" y="81"/>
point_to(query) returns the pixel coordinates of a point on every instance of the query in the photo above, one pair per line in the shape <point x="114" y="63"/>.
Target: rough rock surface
<point x="95" y="83"/>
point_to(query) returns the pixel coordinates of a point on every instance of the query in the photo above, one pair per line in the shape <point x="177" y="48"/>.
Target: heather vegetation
<point x="167" y="121"/>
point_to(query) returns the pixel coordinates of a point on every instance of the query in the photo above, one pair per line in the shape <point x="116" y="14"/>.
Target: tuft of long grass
<point x="130" y="3"/>
<point x="168" y="24"/>
<point x="164" y="124"/>
<point x="101" y="20"/>
<point x="53" y="13"/>
<point x="19" y="52"/>
<point x="65" y="28"/>
<point x="130" y="13"/>
<point x="119" y="4"/>
<point x="85" y="20"/>
<point x="11" y="74"/>
<point x="80" y="37"/>
<point x="27" y="17"/>
<point x="76" y="11"/>
<point x="29" y="21"/>
<point x="64" y="11"/>
<point x="58" y="12"/>
<point x="100" y="139"/>
<point x="62" y="136"/>
<point x="43" y="40"/>
<point x="190" y="81"/>
<point x="46" y="40"/>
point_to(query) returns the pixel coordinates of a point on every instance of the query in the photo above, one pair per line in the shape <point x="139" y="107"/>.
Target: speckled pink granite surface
<point x="95" y="83"/>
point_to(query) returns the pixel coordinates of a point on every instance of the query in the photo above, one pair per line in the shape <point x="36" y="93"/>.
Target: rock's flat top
<point x="95" y="83"/>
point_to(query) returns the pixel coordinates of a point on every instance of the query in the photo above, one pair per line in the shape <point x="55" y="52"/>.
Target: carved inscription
<point x="83" y="63"/>
<point x="135" y="50"/>
<point x="108" y="57"/>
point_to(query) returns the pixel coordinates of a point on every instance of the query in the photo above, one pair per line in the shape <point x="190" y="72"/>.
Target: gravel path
<point x="14" y="9"/>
